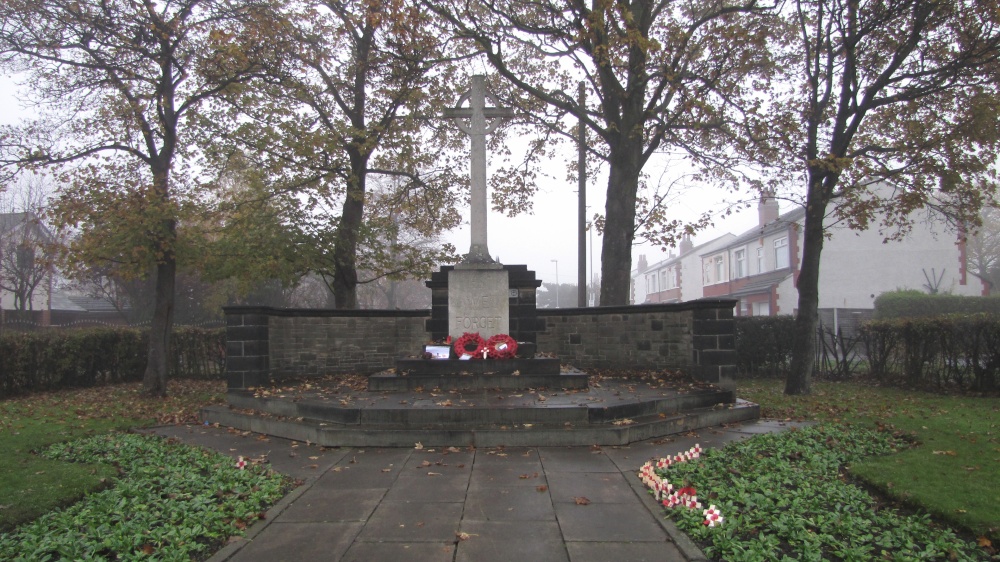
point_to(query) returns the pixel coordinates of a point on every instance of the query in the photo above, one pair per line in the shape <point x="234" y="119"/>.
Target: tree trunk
<point x="345" y="277"/>
<point x="799" y="380"/>
<point x="154" y="381"/>
<point x="619" y="225"/>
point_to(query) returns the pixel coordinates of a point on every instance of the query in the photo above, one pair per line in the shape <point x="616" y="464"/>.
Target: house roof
<point x="791" y="217"/>
<point x="10" y="221"/>
<point x="761" y="283"/>
<point x="677" y="258"/>
<point x="92" y="304"/>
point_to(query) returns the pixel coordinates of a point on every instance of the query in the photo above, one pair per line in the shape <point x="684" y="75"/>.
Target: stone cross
<point x="472" y="121"/>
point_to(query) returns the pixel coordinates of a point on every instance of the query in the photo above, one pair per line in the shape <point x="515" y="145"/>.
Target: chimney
<point x="642" y="264"/>
<point x="767" y="207"/>
<point x="686" y="245"/>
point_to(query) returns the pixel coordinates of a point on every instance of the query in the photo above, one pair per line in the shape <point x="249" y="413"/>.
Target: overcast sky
<point x="550" y="231"/>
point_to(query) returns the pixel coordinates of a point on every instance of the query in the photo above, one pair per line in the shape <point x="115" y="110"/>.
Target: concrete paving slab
<point x="624" y="552"/>
<point x="294" y="542"/>
<point x="493" y="476"/>
<point x="504" y="541"/>
<point x="434" y="484"/>
<point x="509" y="504"/>
<point x="328" y="504"/>
<point x="575" y="459"/>
<point x="424" y="552"/>
<point x="600" y="487"/>
<point x="608" y="522"/>
<point x="413" y="522"/>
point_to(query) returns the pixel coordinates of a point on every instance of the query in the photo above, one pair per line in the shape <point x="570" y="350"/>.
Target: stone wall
<point x="267" y="343"/>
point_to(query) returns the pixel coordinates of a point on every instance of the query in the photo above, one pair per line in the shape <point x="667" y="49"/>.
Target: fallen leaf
<point x="542" y="488"/>
<point x="314" y="458"/>
<point x="949" y="453"/>
<point x="418" y="445"/>
<point x="433" y="474"/>
<point x="984" y="542"/>
<point x="463" y="536"/>
<point x="386" y="470"/>
<point x="582" y="500"/>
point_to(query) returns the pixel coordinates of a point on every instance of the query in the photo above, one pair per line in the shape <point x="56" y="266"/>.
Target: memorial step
<point x="485" y="435"/>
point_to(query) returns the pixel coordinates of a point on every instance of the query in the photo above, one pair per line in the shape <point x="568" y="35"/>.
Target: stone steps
<point x="611" y="415"/>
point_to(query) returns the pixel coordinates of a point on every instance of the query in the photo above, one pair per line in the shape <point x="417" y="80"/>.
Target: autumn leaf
<point x="949" y="453"/>
<point x="582" y="500"/>
<point x="984" y="542"/>
<point x="542" y="488"/>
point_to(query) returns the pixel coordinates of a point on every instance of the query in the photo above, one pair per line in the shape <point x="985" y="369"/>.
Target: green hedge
<point x="956" y="351"/>
<point x="764" y="344"/>
<point x="914" y="304"/>
<point x="57" y="359"/>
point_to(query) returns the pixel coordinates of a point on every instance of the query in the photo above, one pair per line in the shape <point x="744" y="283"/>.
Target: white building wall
<point x="851" y="256"/>
<point x="692" y="287"/>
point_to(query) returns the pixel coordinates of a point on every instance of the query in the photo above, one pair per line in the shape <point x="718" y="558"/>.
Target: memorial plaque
<point x="478" y="301"/>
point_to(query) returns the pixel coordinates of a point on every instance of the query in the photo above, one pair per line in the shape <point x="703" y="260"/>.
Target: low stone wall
<point x="269" y="343"/>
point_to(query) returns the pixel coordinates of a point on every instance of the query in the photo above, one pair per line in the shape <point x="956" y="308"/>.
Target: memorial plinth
<point x="478" y="300"/>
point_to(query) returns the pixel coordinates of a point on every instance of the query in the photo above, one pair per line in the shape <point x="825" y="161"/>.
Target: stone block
<point x="478" y="302"/>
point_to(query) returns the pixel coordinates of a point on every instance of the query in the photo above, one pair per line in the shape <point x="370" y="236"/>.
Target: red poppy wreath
<point x="501" y="346"/>
<point x="471" y="343"/>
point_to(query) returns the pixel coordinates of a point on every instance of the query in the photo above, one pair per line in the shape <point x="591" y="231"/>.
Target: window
<point x="718" y="269"/>
<point x="760" y="261"/>
<point x="761" y="309"/>
<point x="671" y="278"/>
<point x="651" y="283"/>
<point x="740" y="257"/>
<point x="781" y="253"/>
<point x="663" y="280"/>
<point x="708" y="273"/>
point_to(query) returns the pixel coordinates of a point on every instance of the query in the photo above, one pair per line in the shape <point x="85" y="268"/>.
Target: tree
<point x="117" y="81"/>
<point x="349" y="103"/>
<point x="663" y="74"/>
<point x="983" y="248"/>
<point x="27" y="247"/>
<point x="885" y="106"/>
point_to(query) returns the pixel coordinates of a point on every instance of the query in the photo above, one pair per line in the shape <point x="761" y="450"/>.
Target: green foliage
<point x="915" y="304"/>
<point x="949" y="473"/>
<point x="33" y="485"/>
<point x="37" y="361"/>
<point x="764" y="344"/>
<point x="783" y="496"/>
<point x="171" y="501"/>
<point x="943" y="351"/>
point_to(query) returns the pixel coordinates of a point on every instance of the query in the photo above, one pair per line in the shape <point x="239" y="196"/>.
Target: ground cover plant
<point x="785" y="496"/>
<point x="33" y="485"/>
<point x="170" y="502"/>
<point x="953" y="468"/>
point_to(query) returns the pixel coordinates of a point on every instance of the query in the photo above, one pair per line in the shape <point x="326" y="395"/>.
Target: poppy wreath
<point x="501" y="346"/>
<point x="464" y="345"/>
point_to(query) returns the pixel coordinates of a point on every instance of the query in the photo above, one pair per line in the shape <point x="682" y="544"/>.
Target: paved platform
<point x="578" y="504"/>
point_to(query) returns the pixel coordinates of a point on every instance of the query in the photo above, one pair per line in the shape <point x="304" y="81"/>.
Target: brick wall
<point x="696" y="336"/>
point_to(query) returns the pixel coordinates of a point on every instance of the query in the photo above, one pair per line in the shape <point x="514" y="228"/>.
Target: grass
<point x="953" y="469"/>
<point x="33" y="485"/>
<point x="784" y="497"/>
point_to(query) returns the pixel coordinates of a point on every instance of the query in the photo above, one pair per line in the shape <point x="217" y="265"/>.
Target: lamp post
<point x="557" y="281"/>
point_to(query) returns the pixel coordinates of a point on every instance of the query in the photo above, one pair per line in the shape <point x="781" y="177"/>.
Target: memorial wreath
<point x="501" y="346"/>
<point x="464" y="345"/>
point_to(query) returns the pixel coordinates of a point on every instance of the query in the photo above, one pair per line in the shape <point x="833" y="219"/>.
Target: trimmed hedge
<point x="58" y="359"/>
<point x="764" y="344"/>
<point x="956" y="351"/>
<point x="915" y="304"/>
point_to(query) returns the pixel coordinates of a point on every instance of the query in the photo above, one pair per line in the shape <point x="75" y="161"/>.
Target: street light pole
<point x="557" y="281"/>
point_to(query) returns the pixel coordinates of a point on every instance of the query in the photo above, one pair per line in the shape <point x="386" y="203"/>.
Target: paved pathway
<point x="579" y="504"/>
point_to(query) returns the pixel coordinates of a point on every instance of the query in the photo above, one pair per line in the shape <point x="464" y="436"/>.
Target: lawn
<point x="887" y="473"/>
<point x="32" y="484"/>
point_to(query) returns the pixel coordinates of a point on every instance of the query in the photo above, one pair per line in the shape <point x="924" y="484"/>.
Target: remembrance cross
<point x="472" y="121"/>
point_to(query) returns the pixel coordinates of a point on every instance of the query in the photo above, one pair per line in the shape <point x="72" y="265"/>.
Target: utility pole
<point x="581" y="175"/>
